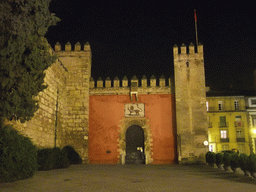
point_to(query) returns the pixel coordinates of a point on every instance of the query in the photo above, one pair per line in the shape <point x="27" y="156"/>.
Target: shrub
<point x="52" y="159"/>
<point x="243" y="162"/>
<point x="226" y="160"/>
<point x="219" y="159"/>
<point x="60" y="158"/>
<point x="17" y="155"/>
<point x="45" y="159"/>
<point x="252" y="164"/>
<point x="73" y="156"/>
<point x="210" y="158"/>
<point x="234" y="161"/>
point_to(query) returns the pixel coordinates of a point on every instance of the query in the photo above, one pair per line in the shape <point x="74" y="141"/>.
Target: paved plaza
<point x="105" y="178"/>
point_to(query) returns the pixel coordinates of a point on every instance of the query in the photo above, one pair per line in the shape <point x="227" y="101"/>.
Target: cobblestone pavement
<point x="105" y="178"/>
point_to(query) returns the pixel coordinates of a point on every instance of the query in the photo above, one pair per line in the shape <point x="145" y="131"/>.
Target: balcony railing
<point x="223" y="124"/>
<point x="224" y="140"/>
<point x="240" y="139"/>
<point x="240" y="108"/>
<point x="239" y="123"/>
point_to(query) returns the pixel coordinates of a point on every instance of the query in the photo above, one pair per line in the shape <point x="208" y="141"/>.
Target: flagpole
<point x="196" y="27"/>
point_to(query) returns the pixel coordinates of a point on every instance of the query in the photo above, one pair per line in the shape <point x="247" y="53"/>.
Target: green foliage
<point x="210" y="158"/>
<point x="52" y="159"/>
<point x="45" y="159"/>
<point x="252" y="163"/>
<point x="60" y="158"/>
<point x="243" y="162"/>
<point x="234" y="161"/>
<point x="226" y="159"/>
<point x="73" y="156"/>
<point x="17" y="155"/>
<point x="219" y="159"/>
<point x="24" y="55"/>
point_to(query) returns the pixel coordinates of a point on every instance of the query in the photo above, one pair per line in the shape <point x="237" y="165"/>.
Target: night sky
<point x="136" y="37"/>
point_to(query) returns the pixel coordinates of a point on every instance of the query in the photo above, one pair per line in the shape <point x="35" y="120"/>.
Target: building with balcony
<point x="228" y="127"/>
<point x="251" y="112"/>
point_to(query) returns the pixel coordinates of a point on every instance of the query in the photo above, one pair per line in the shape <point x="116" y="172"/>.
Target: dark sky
<point x="136" y="37"/>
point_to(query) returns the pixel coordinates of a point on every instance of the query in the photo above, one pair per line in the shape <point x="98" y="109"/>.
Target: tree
<point x="24" y="55"/>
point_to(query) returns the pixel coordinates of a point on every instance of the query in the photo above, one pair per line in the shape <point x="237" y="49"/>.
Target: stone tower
<point x="77" y="62"/>
<point x="190" y="99"/>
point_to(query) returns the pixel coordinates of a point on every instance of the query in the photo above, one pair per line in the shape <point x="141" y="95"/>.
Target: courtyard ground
<point x="105" y="178"/>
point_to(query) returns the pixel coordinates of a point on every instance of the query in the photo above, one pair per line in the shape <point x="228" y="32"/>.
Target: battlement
<point x="188" y="52"/>
<point x="69" y="47"/>
<point x="124" y="86"/>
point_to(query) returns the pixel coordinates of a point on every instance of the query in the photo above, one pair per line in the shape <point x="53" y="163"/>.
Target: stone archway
<point x="134" y="145"/>
<point x="144" y="124"/>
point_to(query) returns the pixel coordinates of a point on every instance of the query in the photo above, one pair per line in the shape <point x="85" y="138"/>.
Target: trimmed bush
<point x="60" y="158"/>
<point x="73" y="156"/>
<point x="219" y="160"/>
<point x="252" y="165"/>
<point x="234" y="161"/>
<point x="18" y="155"/>
<point x="243" y="162"/>
<point x="45" y="159"/>
<point x="52" y="159"/>
<point x="210" y="158"/>
<point x="226" y="160"/>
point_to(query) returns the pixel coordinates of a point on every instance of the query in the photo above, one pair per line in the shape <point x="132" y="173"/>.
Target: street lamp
<point x="206" y="143"/>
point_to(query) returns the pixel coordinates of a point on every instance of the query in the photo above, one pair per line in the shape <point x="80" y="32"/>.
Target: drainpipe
<point x="56" y="120"/>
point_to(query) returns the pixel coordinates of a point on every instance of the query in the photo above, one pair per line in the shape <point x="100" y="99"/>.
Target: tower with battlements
<point x="77" y="61"/>
<point x="190" y="98"/>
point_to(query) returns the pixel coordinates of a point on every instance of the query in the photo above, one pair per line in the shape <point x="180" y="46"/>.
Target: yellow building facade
<point x="228" y="127"/>
<point x="251" y="111"/>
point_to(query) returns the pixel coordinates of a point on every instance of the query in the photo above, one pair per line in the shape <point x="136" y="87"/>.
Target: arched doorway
<point x="135" y="145"/>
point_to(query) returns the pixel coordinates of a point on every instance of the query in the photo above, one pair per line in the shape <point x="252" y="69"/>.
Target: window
<point x="238" y="133"/>
<point x="238" y="118"/>
<point x="222" y="121"/>
<point x="254" y="120"/>
<point x="207" y="105"/>
<point x="223" y="134"/>
<point x="220" y="104"/>
<point x="224" y="147"/>
<point x="241" y="148"/>
<point x="209" y="122"/>
<point x="236" y="104"/>
<point x="211" y="148"/>
<point x="238" y="121"/>
<point x="252" y="102"/>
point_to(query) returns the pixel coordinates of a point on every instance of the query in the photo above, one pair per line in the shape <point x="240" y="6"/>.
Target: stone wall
<point x="78" y="64"/>
<point x="190" y="103"/>
<point x="63" y="115"/>
<point x="47" y="127"/>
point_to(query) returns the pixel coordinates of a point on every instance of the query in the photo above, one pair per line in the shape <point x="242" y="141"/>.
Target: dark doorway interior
<point x="135" y="145"/>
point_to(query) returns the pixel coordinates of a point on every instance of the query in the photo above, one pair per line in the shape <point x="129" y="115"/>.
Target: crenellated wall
<point x="108" y="122"/>
<point x="117" y="87"/>
<point x="63" y="115"/>
<point x="99" y="134"/>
